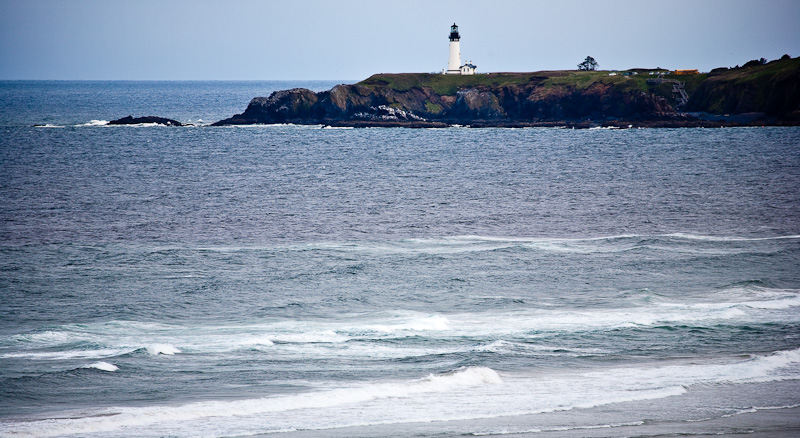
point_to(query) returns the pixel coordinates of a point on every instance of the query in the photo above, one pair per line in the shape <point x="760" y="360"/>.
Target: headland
<point x="755" y="95"/>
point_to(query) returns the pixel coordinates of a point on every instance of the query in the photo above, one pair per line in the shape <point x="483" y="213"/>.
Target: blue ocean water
<point x="304" y="281"/>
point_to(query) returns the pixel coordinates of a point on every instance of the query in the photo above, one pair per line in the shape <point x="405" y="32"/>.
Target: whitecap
<point x="94" y="123"/>
<point x="255" y="341"/>
<point x="166" y="349"/>
<point x="493" y="347"/>
<point x="103" y="366"/>
<point x="463" y="377"/>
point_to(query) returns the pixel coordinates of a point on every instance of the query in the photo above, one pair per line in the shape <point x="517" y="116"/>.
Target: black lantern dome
<point x="454" y="36"/>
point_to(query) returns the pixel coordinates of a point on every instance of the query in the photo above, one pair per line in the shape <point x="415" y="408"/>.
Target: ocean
<point x="302" y="281"/>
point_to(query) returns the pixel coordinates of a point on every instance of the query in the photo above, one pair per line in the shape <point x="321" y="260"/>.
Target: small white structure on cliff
<point x="454" y="66"/>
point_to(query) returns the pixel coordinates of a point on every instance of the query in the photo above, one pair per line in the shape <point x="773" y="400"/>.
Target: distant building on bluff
<point x="454" y="66"/>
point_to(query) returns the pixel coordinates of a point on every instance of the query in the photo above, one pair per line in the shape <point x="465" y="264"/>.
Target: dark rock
<point x="130" y="120"/>
<point x="286" y="106"/>
<point x="387" y="124"/>
<point x="773" y="89"/>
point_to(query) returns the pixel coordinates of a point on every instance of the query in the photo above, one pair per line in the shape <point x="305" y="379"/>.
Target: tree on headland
<point x="588" y="64"/>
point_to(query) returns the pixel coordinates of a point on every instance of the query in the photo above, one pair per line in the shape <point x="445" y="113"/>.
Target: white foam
<point x="773" y="367"/>
<point x="48" y="125"/>
<point x="557" y="429"/>
<point x="255" y="340"/>
<point x="471" y="376"/>
<point x="165" y="349"/>
<point x="464" y="394"/>
<point x="728" y="238"/>
<point x="472" y="237"/>
<point x="122" y="419"/>
<point x="314" y="336"/>
<point x="95" y="123"/>
<point x="425" y="323"/>
<point x="64" y="355"/>
<point x="103" y="366"/>
<point x="780" y="303"/>
<point x="749" y="297"/>
<point x="279" y="125"/>
<point x="492" y="347"/>
<point x="478" y="243"/>
<point x="775" y="408"/>
<point x="326" y="337"/>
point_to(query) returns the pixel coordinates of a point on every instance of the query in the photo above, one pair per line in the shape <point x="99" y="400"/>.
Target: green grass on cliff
<point x="444" y="84"/>
<point x="578" y="80"/>
<point x="754" y="83"/>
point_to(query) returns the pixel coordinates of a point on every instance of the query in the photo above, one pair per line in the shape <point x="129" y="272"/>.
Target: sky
<point x="338" y="39"/>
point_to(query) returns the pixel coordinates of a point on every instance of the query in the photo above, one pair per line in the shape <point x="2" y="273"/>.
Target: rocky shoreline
<point x="759" y="95"/>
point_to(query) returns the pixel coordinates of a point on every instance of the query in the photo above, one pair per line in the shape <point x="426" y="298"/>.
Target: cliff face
<point x="502" y="99"/>
<point x="773" y="89"/>
<point x="380" y="99"/>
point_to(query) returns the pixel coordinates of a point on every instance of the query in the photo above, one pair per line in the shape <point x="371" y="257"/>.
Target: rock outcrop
<point x="130" y="120"/>
<point x="496" y="100"/>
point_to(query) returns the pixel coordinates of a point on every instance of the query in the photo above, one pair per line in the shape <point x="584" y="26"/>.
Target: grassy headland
<point x="448" y="85"/>
<point x="770" y="93"/>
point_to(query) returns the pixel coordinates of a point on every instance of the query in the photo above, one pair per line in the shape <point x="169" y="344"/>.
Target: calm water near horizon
<point x="303" y="281"/>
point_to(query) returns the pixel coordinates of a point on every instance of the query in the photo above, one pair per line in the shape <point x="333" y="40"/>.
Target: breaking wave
<point x="461" y="394"/>
<point x="103" y="366"/>
<point x="126" y="418"/>
<point x="94" y="123"/>
<point x="165" y="349"/>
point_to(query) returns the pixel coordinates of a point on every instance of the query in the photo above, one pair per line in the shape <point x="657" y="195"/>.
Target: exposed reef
<point x="130" y="120"/>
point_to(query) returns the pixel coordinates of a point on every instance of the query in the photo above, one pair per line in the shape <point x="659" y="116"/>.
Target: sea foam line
<point x="476" y="243"/>
<point x="558" y="429"/>
<point x="121" y="418"/>
<point x="481" y="393"/>
<point x="312" y="336"/>
<point x="728" y="238"/>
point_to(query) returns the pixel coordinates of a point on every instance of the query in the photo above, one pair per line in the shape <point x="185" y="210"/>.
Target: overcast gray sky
<point x="309" y="39"/>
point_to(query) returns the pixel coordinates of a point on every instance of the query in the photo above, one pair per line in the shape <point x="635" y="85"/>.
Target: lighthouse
<point x="454" y="63"/>
<point x="454" y="66"/>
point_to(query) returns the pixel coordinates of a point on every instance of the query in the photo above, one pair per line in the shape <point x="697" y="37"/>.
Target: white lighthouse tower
<point x="454" y="66"/>
<point x="454" y="63"/>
